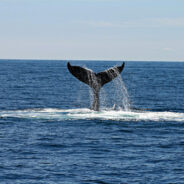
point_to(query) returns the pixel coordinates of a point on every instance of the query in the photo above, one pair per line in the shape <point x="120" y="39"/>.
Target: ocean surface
<point x="49" y="135"/>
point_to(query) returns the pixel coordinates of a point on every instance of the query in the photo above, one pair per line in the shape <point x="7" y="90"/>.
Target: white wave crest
<point x="82" y="113"/>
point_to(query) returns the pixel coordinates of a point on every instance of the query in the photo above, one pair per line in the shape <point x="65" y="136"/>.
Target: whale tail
<point x="95" y="80"/>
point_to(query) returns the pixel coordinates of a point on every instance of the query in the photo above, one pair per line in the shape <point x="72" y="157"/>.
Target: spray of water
<point x="103" y="99"/>
<point x="119" y="92"/>
<point x="121" y="96"/>
<point x="95" y="89"/>
<point x="122" y="99"/>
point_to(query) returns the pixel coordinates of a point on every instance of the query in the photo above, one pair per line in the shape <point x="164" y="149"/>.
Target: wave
<point x="83" y="113"/>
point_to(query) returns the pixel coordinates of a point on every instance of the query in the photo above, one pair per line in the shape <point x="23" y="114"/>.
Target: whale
<point x="95" y="80"/>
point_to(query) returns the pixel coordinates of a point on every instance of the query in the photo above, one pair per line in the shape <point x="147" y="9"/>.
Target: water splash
<point x="122" y="94"/>
<point x="122" y="99"/>
<point x="95" y="89"/>
<point x="103" y="99"/>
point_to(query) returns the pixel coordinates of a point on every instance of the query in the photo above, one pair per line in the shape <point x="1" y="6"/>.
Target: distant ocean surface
<point x="49" y="135"/>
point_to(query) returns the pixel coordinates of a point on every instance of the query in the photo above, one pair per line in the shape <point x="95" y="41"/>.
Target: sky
<point x="128" y="30"/>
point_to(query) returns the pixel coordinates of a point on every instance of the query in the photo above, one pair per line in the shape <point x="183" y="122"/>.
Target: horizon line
<point x="37" y="59"/>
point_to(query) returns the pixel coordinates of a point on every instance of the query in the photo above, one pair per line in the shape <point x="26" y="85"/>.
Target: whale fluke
<point x="95" y="80"/>
<point x="110" y="74"/>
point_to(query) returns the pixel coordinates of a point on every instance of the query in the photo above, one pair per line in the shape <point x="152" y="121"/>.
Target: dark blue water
<point x="49" y="135"/>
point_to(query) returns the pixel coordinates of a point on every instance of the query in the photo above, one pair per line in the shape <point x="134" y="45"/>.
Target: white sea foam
<point x="82" y="113"/>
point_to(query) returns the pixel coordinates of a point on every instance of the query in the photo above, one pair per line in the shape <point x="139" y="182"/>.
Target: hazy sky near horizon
<point x="92" y="29"/>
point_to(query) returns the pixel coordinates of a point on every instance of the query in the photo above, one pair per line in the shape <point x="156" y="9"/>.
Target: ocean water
<point x="49" y="135"/>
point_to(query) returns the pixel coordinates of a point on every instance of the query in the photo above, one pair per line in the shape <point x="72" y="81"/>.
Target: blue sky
<point x="149" y="30"/>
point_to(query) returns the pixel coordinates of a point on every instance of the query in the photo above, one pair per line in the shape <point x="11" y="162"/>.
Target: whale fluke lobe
<point x="95" y="81"/>
<point x="82" y="74"/>
<point x="110" y="74"/>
